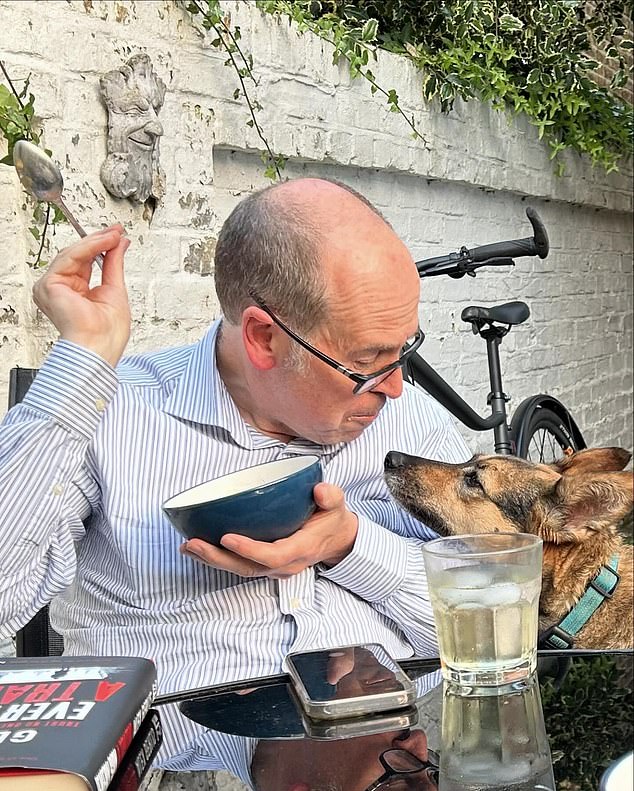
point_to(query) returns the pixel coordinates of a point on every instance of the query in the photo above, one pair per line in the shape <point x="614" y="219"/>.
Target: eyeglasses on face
<point x="364" y="382"/>
<point x="400" y="763"/>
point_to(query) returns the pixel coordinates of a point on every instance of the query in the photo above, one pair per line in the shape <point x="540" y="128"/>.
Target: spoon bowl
<point x="43" y="180"/>
<point x="39" y="175"/>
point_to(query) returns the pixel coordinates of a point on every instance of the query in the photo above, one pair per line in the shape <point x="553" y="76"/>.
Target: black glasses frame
<point x="430" y="767"/>
<point x="364" y="382"/>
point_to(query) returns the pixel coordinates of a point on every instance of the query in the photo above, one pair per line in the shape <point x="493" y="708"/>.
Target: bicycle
<point x="541" y="428"/>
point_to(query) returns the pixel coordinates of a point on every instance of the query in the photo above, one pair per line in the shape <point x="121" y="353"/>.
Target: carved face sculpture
<point x="134" y="96"/>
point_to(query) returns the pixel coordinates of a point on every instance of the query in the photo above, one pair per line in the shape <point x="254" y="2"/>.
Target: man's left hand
<point x="327" y="537"/>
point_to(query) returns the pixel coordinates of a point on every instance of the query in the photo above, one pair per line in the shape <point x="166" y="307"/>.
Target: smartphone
<point x="348" y="681"/>
<point x="349" y="727"/>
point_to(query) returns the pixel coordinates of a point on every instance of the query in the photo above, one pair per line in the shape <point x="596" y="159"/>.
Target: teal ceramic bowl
<point x="265" y="502"/>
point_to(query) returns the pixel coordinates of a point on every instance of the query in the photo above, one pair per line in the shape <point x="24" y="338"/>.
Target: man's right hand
<point x="96" y="318"/>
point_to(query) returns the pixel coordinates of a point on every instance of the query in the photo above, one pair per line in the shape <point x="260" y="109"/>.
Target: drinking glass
<point x="484" y="591"/>
<point x="494" y="739"/>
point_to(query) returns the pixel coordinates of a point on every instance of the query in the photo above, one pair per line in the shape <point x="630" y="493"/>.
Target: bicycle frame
<point x="422" y="372"/>
<point x="493" y="324"/>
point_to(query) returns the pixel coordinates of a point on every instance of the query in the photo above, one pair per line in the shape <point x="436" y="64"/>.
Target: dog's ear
<point x="588" y="503"/>
<point x="593" y="460"/>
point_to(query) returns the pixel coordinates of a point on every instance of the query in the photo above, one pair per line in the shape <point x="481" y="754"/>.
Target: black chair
<point x="37" y="638"/>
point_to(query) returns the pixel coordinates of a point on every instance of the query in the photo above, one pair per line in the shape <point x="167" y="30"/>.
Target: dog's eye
<point x="472" y="481"/>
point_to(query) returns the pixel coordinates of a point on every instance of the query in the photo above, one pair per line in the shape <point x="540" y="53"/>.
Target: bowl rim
<point x="315" y="460"/>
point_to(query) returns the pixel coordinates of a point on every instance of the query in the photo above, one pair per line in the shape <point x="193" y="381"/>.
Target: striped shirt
<point x="86" y="461"/>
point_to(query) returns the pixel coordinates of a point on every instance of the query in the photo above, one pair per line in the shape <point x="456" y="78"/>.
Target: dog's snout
<point x="395" y="459"/>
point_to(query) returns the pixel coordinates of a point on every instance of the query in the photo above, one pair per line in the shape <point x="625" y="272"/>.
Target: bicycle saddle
<point x="508" y="313"/>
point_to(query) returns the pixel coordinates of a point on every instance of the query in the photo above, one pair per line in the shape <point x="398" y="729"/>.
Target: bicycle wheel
<point x="545" y="437"/>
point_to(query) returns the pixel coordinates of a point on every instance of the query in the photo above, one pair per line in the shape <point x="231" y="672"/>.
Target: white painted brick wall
<point x="470" y="185"/>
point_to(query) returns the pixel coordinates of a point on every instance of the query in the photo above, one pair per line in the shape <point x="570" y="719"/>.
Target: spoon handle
<point x="71" y="219"/>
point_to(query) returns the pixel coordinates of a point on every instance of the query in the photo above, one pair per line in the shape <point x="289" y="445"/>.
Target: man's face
<point x="373" y="293"/>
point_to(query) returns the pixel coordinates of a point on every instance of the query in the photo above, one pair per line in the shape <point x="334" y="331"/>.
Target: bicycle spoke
<point x="537" y="441"/>
<point x="553" y="449"/>
<point x="544" y="447"/>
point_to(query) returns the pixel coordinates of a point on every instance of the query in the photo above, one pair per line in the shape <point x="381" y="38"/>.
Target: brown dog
<point x="578" y="506"/>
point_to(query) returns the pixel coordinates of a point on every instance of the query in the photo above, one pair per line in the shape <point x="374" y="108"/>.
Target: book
<point x="131" y="771"/>
<point x="140" y="754"/>
<point x="67" y="722"/>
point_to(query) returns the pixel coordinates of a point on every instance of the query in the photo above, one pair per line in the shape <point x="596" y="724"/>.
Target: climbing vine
<point x="17" y="122"/>
<point x="524" y="56"/>
<point x="214" y="18"/>
<point x="521" y="56"/>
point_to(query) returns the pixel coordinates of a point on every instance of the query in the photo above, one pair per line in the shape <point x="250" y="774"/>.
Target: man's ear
<point x="259" y="338"/>
<point x="593" y="460"/>
<point x="587" y="504"/>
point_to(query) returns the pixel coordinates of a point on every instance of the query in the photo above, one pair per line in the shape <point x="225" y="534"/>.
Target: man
<point x="303" y="270"/>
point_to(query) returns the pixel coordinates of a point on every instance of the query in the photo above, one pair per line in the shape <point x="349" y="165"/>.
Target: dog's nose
<point x="395" y="459"/>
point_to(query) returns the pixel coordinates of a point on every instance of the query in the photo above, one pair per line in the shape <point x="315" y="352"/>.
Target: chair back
<point x="37" y="638"/>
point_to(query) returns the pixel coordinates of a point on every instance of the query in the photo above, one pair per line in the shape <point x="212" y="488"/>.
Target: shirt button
<point x="295" y="603"/>
<point x="57" y="490"/>
<point x="100" y="405"/>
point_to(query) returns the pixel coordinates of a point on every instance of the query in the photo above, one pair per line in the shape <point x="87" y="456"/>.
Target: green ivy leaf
<point x="509" y="23"/>
<point x="446" y="91"/>
<point x="430" y="86"/>
<point x="369" y="30"/>
<point x="619" y="79"/>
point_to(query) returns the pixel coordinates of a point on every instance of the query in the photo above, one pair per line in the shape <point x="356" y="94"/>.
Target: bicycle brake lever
<point x="463" y="267"/>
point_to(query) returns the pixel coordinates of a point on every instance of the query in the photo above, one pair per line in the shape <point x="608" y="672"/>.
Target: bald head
<point x="332" y="200"/>
<point x="276" y="242"/>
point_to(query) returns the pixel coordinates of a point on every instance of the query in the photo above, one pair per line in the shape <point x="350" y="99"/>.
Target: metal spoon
<point x="42" y="179"/>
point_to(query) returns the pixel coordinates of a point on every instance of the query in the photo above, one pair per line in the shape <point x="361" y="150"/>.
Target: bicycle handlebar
<point x="466" y="261"/>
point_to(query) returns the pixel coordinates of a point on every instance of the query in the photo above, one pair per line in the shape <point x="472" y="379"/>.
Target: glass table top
<point x="560" y="730"/>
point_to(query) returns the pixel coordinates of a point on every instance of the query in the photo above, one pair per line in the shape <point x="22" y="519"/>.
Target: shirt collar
<point x="200" y="396"/>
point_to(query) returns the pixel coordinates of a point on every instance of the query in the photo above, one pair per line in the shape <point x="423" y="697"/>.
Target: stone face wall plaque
<point x="133" y="95"/>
